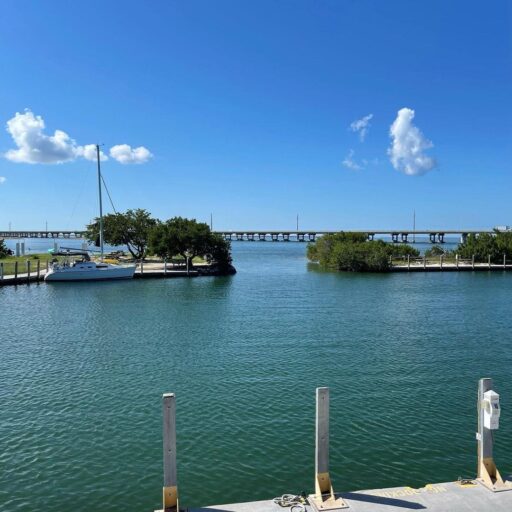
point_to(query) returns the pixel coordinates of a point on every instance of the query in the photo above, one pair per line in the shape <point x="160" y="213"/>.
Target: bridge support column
<point x="300" y="237"/>
<point x="250" y="237"/>
<point x="432" y="237"/>
<point x="463" y="238"/>
<point x="404" y="238"/>
<point x="286" y="237"/>
<point x="275" y="237"/>
<point x="262" y="237"/>
<point x="311" y="237"/>
<point x="371" y="236"/>
<point x="394" y="237"/>
<point x="239" y="236"/>
<point x="441" y="238"/>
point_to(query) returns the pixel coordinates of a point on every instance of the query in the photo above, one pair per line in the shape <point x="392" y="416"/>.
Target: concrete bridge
<point x="398" y="235"/>
<point x="75" y="233"/>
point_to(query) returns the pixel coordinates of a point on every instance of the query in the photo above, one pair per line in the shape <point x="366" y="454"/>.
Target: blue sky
<point x="245" y="109"/>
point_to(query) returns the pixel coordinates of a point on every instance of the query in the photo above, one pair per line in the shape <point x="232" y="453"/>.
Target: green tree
<point x="131" y="228"/>
<point x="219" y="251"/>
<point x="3" y="249"/>
<point x="188" y="239"/>
<point x="483" y="245"/>
<point x="434" y="251"/>
<point x="351" y="252"/>
<point x="355" y="253"/>
<point x="401" y="250"/>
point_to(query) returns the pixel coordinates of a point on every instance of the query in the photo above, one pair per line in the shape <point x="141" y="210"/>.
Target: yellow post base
<point x="169" y="500"/>
<point x="489" y="476"/>
<point x="324" y="497"/>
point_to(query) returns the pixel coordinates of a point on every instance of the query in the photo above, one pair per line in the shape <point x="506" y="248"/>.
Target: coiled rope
<point x="295" y="502"/>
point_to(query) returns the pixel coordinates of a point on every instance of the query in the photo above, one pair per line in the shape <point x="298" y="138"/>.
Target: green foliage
<point x="321" y="250"/>
<point x="131" y="228"/>
<point x="484" y="245"/>
<point x="434" y="251"/>
<point x="353" y="252"/>
<point x="218" y="251"/>
<point x="402" y="250"/>
<point x="188" y="238"/>
<point x="4" y="252"/>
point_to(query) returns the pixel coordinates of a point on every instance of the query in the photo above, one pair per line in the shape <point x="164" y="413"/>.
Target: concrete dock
<point x="444" y="497"/>
<point x="488" y="492"/>
<point x="149" y="271"/>
<point x="450" y="267"/>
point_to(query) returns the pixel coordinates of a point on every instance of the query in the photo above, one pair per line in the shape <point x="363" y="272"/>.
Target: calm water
<point x="83" y="367"/>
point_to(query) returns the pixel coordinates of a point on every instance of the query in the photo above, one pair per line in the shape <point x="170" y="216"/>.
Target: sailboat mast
<point x="101" y="202"/>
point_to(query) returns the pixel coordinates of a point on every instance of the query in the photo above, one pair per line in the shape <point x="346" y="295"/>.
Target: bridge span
<point x="75" y="233"/>
<point x="400" y="235"/>
<point x="262" y="235"/>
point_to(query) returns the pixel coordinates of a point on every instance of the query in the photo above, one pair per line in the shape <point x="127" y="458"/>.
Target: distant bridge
<point x="398" y="235"/>
<point x="76" y="233"/>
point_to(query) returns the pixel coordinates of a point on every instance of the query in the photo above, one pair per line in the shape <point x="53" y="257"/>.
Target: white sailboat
<point x="90" y="270"/>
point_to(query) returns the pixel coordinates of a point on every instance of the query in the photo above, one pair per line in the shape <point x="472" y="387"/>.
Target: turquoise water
<point x="83" y="367"/>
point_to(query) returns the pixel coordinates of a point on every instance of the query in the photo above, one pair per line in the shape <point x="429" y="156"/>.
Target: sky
<point x="350" y="114"/>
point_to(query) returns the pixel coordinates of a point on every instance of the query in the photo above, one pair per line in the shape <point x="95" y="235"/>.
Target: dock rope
<point x="294" y="501"/>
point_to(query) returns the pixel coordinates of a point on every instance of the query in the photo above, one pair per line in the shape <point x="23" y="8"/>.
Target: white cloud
<point x="350" y="163"/>
<point x="89" y="153"/>
<point x="362" y="126"/>
<point x="125" y="154"/>
<point x="36" y="147"/>
<point x="408" y="145"/>
<point x="2" y="180"/>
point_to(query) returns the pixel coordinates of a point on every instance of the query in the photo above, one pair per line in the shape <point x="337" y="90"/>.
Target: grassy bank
<point x="10" y="261"/>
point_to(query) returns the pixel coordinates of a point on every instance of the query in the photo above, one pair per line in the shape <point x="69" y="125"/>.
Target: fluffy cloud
<point x="2" y="180"/>
<point x="36" y="147"/>
<point x="125" y="154"/>
<point x="361" y="126"/>
<point x="349" y="162"/>
<point x="408" y="145"/>
<point x="89" y="153"/>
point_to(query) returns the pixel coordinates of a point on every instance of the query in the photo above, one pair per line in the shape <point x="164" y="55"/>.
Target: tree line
<point x="481" y="246"/>
<point x="142" y="235"/>
<point x="354" y="252"/>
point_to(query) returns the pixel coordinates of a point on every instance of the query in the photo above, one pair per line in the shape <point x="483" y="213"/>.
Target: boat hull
<point x="98" y="274"/>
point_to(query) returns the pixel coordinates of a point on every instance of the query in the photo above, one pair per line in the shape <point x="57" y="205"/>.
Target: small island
<point x="354" y="252"/>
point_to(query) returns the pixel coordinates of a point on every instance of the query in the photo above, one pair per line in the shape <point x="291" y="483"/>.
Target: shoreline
<point x="199" y="270"/>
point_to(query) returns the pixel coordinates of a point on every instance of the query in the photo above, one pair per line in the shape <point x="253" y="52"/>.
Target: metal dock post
<point x="324" y="497"/>
<point x="488" y="474"/>
<point x="170" y="489"/>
